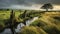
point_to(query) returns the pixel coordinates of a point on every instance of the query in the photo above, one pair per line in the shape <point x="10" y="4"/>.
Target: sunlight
<point x="56" y="7"/>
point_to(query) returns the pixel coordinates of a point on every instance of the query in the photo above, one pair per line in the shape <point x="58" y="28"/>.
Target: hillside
<point x="47" y="22"/>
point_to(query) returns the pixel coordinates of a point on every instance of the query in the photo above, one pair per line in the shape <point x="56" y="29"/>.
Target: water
<point x="6" y="31"/>
<point x="19" y="26"/>
<point x="28" y="22"/>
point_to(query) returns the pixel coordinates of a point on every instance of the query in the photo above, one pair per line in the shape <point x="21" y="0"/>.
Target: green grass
<point x="4" y="15"/>
<point x="32" y="30"/>
<point x="51" y="25"/>
<point x="46" y="24"/>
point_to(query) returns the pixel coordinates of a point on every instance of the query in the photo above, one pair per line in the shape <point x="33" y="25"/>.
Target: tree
<point x="23" y="16"/>
<point x="10" y="22"/>
<point x="47" y="6"/>
<point x="12" y="16"/>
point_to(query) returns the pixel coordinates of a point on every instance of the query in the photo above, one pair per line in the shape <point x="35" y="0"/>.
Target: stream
<point x="19" y="26"/>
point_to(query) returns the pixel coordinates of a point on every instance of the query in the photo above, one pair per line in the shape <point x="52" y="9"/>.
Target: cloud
<point x="44" y="1"/>
<point x="8" y="3"/>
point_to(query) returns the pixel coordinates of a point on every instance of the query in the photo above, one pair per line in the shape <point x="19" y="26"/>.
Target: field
<point x="47" y="22"/>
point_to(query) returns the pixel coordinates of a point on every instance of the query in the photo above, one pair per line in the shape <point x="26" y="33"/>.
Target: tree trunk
<point x="24" y="15"/>
<point x="13" y="30"/>
<point x="12" y="16"/>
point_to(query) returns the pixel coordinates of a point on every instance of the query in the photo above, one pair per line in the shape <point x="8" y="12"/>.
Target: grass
<point x="32" y="30"/>
<point x="48" y="22"/>
<point x="51" y="25"/>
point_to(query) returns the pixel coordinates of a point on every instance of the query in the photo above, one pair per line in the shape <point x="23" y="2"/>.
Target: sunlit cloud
<point x="56" y="7"/>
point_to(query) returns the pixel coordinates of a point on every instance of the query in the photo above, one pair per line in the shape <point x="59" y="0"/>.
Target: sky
<point x="28" y="4"/>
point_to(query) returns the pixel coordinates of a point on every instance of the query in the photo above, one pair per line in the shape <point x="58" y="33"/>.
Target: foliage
<point x="30" y="14"/>
<point x="47" y="6"/>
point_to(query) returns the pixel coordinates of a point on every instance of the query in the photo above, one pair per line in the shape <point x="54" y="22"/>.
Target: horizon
<point x="28" y="4"/>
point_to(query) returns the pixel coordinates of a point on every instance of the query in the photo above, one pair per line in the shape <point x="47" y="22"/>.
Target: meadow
<point x="48" y="22"/>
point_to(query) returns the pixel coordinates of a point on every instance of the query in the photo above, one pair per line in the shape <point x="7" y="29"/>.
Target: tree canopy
<point x="47" y="6"/>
